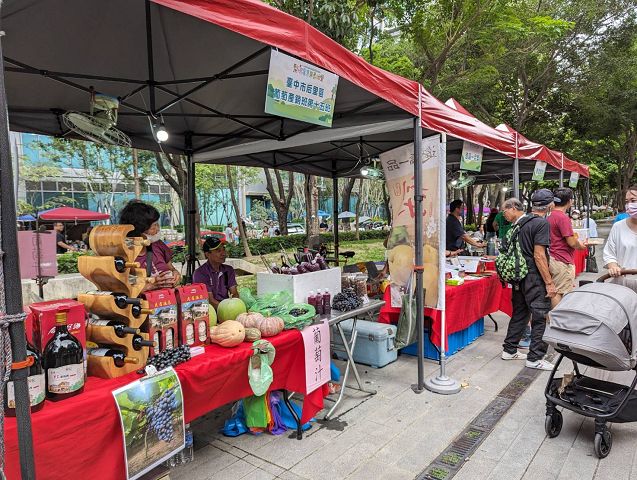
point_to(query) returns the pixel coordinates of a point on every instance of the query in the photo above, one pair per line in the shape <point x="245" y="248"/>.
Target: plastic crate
<point x="455" y="342"/>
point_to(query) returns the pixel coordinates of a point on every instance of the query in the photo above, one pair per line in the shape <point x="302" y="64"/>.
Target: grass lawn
<point x="366" y="251"/>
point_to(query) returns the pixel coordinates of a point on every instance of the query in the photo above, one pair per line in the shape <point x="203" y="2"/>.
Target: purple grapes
<point x="160" y="415"/>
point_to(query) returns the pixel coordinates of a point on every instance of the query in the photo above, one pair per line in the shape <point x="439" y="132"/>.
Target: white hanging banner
<point x="471" y="158"/>
<point x="538" y="171"/>
<point x="572" y="182"/>
<point x="398" y="165"/>
<point x="300" y="91"/>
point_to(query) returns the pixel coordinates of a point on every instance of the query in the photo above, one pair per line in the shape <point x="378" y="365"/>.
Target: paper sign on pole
<point x="538" y="171"/>
<point x="572" y="182"/>
<point x="316" y="340"/>
<point x="398" y="165"/>
<point x="471" y="158"/>
<point x="300" y="91"/>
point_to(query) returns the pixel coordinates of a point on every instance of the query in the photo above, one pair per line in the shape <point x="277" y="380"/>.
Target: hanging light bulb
<point x="505" y="189"/>
<point x="161" y="134"/>
<point x="364" y="171"/>
<point x="454" y="182"/>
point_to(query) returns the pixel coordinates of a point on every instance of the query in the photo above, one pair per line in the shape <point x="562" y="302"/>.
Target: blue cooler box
<point x="374" y="342"/>
<point x="456" y="341"/>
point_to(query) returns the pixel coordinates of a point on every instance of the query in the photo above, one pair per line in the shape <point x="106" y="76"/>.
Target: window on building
<point x="79" y="186"/>
<point x="64" y="186"/>
<point x="32" y="186"/>
<point x="49" y="186"/>
<point x="153" y="188"/>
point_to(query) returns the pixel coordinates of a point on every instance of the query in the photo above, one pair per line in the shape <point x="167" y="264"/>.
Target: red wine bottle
<point x="63" y="360"/>
<point x="118" y="356"/>
<point x="120" y="328"/>
<point x="121" y="265"/>
<point x="121" y="299"/>
<point x="36" y="384"/>
<point x="140" y="342"/>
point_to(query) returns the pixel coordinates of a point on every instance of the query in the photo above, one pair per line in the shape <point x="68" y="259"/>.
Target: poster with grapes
<point x="151" y="411"/>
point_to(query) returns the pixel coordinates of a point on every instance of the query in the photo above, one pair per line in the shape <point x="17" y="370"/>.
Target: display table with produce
<point x="465" y="304"/>
<point x="81" y="436"/>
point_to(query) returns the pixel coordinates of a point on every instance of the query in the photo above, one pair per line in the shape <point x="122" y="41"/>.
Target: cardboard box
<point x="161" y="324"/>
<point x="193" y="314"/>
<point x="301" y="285"/>
<point x="44" y="320"/>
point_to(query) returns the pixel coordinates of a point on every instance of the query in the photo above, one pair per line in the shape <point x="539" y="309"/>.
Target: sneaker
<point x="540" y="365"/>
<point x="525" y="342"/>
<point x="513" y="356"/>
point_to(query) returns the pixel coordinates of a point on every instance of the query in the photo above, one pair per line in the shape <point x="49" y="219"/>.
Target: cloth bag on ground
<point x="260" y="373"/>
<point x="236" y="424"/>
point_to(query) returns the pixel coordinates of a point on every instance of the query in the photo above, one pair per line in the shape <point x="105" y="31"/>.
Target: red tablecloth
<point x="580" y="261"/>
<point x="81" y="438"/>
<point x="464" y="305"/>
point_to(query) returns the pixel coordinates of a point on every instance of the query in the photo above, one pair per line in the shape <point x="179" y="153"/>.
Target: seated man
<point x="220" y="279"/>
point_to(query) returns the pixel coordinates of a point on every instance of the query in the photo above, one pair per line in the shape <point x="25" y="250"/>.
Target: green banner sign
<point x="471" y="158"/>
<point x="538" y="171"/>
<point x="572" y="182"/>
<point x="300" y="91"/>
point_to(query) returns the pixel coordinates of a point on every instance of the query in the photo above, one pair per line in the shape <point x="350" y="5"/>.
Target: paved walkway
<point x="396" y="434"/>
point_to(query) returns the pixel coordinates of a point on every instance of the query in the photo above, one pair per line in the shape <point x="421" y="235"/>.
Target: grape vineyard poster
<point x="151" y="411"/>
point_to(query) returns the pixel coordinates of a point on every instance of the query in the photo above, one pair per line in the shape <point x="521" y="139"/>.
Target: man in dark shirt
<point x="60" y="240"/>
<point x="219" y="278"/>
<point x="531" y="297"/>
<point x="456" y="236"/>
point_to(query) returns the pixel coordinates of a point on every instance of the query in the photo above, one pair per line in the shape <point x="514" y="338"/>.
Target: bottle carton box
<point x="193" y="314"/>
<point x="161" y="324"/>
<point x="43" y="318"/>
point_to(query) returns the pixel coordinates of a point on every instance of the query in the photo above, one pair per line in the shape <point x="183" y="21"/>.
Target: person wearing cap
<point x="564" y="242"/>
<point x="219" y="278"/>
<point x="456" y="236"/>
<point x="587" y="222"/>
<point x="531" y="297"/>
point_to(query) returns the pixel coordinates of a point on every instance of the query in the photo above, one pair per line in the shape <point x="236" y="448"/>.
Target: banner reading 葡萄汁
<point x="471" y="158"/>
<point x="398" y="165"/>
<point x="300" y="91"/>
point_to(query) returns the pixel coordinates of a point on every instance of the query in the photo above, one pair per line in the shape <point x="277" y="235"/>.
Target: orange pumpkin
<point x="271" y="326"/>
<point x="228" y="334"/>
<point x="250" y="319"/>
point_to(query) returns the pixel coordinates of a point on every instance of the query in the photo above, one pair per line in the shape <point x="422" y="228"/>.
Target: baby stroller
<point x="594" y="325"/>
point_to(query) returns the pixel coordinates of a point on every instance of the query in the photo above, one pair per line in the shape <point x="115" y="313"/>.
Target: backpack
<point x="511" y="264"/>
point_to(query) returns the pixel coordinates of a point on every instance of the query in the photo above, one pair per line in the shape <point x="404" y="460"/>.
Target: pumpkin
<point x="252" y="334"/>
<point x="228" y="334"/>
<point x="249" y="319"/>
<point x="271" y="326"/>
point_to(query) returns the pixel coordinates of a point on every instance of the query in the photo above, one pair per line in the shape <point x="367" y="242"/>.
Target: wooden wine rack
<point x="111" y="241"/>
<point x="108" y="242"/>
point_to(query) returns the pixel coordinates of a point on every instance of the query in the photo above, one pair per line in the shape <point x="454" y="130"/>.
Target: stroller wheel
<point x="603" y="443"/>
<point x="553" y="424"/>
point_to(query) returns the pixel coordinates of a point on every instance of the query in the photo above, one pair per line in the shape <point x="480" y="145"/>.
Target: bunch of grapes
<point x="170" y="358"/>
<point x="346" y="300"/>
<point x="159" y="415"/>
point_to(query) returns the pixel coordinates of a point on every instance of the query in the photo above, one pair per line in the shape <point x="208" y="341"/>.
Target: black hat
<point x="543" y="197"/>
<point x="212" y="243"/>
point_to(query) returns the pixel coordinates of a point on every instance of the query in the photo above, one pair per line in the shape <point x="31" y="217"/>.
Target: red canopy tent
<point x="70" y="214"/>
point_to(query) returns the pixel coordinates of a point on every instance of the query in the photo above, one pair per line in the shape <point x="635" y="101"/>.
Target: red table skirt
<point x="580" y="261"/>
<point x="81" y="438"/>
<point x="464" y="305"/>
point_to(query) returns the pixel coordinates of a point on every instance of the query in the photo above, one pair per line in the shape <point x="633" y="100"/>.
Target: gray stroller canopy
<point x="595" y="310"/>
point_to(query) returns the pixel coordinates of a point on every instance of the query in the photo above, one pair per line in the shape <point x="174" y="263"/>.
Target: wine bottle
<point x="140" y="342"/>
<point x="63" y="360"/>
<point x="120" y="328"/>
<point x="121" y="264"/>
<point x="118" y="356"/>
<point x="35" y="381"/>
<point x="121" y="299"/>
<point x="136" y="241"/>
<point x="137" y="310"/>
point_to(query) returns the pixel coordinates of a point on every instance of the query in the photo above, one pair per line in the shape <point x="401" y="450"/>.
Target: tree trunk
<point x="138" y="188"/>
<point x="481" y="195"/>
<point x="280" y="198"/>
<point x="629" y="163"/>
<point x="358" y="207"/>
<point x="311" y="204"/>
<point x="386" y="203"/>
<point x="471" y="217"/>
<point x="345" y="200"/>
<point x="235" y="205"/>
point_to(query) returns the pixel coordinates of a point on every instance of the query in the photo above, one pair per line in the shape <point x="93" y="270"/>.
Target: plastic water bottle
<point x="491" y="247"/>
<point x="187" y="454"/>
